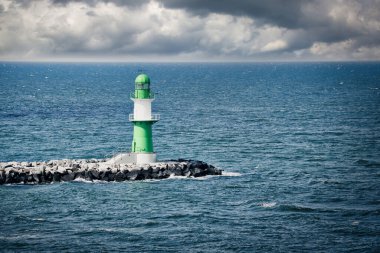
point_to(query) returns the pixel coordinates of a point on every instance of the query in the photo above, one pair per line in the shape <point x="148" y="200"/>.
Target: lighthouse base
<point x="137" y="158"/>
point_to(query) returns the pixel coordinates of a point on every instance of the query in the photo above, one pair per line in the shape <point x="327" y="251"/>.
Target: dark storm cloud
<point x="311" y="18"/>
<point x="287" y="13"/>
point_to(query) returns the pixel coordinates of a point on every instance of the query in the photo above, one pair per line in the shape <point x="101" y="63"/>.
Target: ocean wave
<point x="172" y="176"/>
<point x="38" y="219"/>
<point x="368" y="163"/>
<point x="268" y="204"/>
<point x="325" y="181"/>
<point x="82" y="180"/>
<point x="296" y="208"/>
<point x="230" y="174"/>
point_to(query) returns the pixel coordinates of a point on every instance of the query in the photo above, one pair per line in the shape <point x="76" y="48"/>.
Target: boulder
<point x="104" y="175"/>
<point x="56" y="176"/>
<point x="30" y="179"/>
<point x="9" y="178"/>
<point x="37" y="177"/>
<point x="94" y="173"/>
<point x="197" y="172"/>
<point x="132" y="175"/>
<point x="163" y="174"/>
<point x="68" y="176"/>
<point x="88" y="175"/>
<point x="111" y="176"/>
<point x="23" y="177"/>
<point x="120" y="176"/>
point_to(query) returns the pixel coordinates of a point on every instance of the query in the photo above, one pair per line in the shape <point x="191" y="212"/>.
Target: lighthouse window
<point x="142" y="86"/>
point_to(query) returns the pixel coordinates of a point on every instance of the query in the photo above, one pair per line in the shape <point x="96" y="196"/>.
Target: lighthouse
<point x="143" y="119"/>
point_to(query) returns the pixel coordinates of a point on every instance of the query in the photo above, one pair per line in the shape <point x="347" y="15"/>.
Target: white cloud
<point x="150" y="31"/>
<point x="274" y="46"/>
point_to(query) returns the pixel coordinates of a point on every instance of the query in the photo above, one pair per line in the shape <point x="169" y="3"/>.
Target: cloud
<point x="307" y="21"/>
<point x="274" y="46"/>
<point x="287" y="14"/>
<point x="129" y="3"/>
<point x="190" y="30"/>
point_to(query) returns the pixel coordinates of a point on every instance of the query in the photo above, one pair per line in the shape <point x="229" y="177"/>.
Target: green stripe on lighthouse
<point x="142" y="137"/>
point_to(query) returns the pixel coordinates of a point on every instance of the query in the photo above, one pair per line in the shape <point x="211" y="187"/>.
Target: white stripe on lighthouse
<point x="142" y="109"/>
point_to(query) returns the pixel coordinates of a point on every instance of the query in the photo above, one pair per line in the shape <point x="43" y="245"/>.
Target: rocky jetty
<point x="95" y="169"/>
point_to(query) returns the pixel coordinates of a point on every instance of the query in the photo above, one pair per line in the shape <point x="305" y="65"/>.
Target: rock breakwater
<point x="99" y="169"/>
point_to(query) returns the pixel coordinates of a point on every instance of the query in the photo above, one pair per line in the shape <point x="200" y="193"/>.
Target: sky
<point x="189" y="30"/>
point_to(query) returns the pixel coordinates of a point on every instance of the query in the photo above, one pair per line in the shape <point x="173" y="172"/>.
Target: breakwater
<point x="99" y="169"/>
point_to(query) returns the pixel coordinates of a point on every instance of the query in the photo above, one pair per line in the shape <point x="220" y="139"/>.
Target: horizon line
<point x="183" y="61"/>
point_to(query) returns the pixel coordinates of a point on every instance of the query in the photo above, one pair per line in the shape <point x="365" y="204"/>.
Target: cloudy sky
<point x="189" y="30"/>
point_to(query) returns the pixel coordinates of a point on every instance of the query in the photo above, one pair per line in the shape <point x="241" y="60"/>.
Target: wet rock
<point x="163" y="174"/>
<point x="94" y="174"/>
<point x="56" y="176"/>
<point x="141" y="175"/>
<point x="132" y="175"/>
<point x="198" y="172"/>
<point x="22" y="177"/>
<point x="68" y="177"/>
<point x="37" y="178"/>
<point x="48" y="176"/>
<point x="120" y="176"/>
<point x="30" y="179"/>
<point x="88" y="175"/>
<point x="2" y="178"/>
<point x="105" y="175"/>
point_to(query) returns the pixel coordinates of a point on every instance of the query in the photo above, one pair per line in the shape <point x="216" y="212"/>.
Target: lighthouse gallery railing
<point x="133" y="95"/>
<point x="154" y="116"/>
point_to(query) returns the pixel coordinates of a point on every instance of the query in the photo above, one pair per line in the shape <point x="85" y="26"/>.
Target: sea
<point x="299" y="144"/>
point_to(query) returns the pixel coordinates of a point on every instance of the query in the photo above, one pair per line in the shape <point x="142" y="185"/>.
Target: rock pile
<point x="95" y="169"/>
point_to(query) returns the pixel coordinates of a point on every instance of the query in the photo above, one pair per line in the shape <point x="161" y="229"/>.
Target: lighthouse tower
<point x="143" y="119"/>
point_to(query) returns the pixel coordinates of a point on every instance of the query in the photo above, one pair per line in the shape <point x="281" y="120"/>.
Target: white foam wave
<point x="231" y="174"/>
<point x="82" y="180"/>
<point x="79" y="179"/>
<point x="18" y="237"/>
<point x="268" y="204"/>
<point x="38" y="219"/>
<point x="172" y="176"/>
<point x="204" y="177"/>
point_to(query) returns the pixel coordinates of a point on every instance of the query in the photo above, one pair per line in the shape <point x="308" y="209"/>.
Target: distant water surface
<point x="299" y="142"/>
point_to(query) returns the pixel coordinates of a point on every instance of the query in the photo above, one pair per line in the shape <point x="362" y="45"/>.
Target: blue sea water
<point x="299" y="144"/>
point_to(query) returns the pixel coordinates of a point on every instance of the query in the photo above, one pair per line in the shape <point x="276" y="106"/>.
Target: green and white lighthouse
<point x="143" y="119"/>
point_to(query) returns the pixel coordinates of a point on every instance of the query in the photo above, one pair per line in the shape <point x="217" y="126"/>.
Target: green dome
<point x="142" y="79"/>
